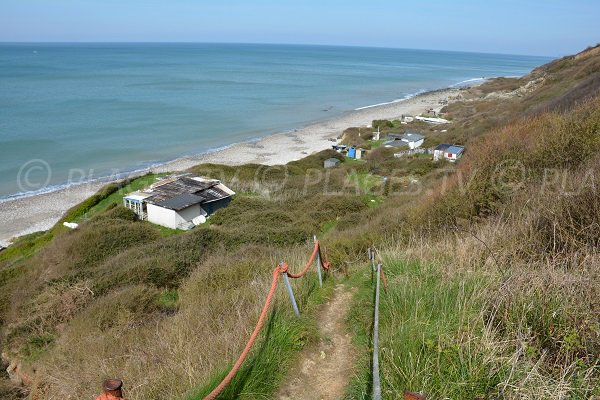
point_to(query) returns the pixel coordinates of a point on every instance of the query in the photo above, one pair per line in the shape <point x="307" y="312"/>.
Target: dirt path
<point x="325" y="368"/>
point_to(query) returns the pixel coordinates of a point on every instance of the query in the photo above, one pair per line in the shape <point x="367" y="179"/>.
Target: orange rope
<point x="276" y="272"/>
<point x="325" y="264"/>
<point x="308" y="264"/>
<point x="212" y="395"/>
<point x="385" y="285"/>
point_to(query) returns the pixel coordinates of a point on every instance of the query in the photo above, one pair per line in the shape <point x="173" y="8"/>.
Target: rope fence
<point x="376" y="380"/>
<point x="280" y="270"/>
<point x="376" y="269"/>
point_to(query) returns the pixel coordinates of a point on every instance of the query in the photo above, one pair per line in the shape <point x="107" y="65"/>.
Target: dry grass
<point x="116" y="298"/>
<point x="540" y="304"/>
<point x="165" y="355"/>
<point x="511" y="256"/>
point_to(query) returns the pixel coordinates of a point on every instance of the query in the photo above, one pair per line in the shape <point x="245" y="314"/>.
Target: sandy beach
<point x="37" y="213"/>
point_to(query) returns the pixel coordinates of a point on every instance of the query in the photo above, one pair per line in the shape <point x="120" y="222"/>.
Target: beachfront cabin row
<point x="351" y="152"/>
<point x="449" y="152"/>
<point x="179" y="202"/>
<point x="411" y="139"/>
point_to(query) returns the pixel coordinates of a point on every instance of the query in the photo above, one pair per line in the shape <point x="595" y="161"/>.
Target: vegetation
<point x="492" y="265"/>
<point x="433" y="337"/>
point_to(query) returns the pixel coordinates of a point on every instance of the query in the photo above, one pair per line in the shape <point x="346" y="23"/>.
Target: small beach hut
<point x="331" y="163"/>
<point x="352" y="152"/>
<point x="377" y="134"/>
<point x="449" y="152"/>
<point x="412" y="139"/>
<point x="340" y="148"/>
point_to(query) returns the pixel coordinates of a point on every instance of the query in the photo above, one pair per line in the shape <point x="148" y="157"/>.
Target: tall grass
<point x="161" y="354"/>
<point x="433" y="335"/>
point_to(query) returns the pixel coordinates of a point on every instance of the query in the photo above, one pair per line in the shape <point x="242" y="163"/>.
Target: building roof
<point x="432" y="120"/>
<point x="408" y="135"/>
<point x="455" y="149"/>
<point x="442" y="147"/>
<point x="215" y="193"/>
<point x="333" y="160"/>
<point x="137" y="196"/>
<point x="173" y="187"/>
<point x="412" y="137"/>
<point x="179" y="192"/>
<point x="180" y="202"/>
<point x="395" y="143"/>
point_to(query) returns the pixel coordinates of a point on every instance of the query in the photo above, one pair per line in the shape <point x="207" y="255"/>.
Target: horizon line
<point x="277" y="44"/>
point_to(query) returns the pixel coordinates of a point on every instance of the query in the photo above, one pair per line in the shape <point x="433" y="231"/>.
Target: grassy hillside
<point x="493" y="282"/>
<point x="493" y="264"/>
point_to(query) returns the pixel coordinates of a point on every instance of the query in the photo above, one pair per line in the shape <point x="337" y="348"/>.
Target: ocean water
<point x="70" y="112"/>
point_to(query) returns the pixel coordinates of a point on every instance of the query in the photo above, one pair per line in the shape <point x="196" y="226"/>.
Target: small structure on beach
<point x="356" y="152"/>
<point x="352" y="152"/>
<point x="179" y="202"/>
<point x="340" y="148"/>
<point x="412" y="139"/>
<point x="331" y="163"/>
<point x="432" y="120"/>
<point x="377" y="134"/>
<point x="71" y="225"/>
<point x="450" y="152"/>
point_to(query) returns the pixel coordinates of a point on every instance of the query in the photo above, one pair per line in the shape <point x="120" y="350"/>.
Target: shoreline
<point x="39" y="212"/>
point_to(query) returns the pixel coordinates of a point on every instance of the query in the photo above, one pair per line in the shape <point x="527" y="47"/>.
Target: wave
<point x="472" y="80"/>
<point x="69" y="185"/>
<point x="421" y="91"/>
<point x="408" y="96"/>
<point x="130" y="173"/>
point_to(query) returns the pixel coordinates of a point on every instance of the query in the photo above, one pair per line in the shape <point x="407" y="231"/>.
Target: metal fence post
<point x="373" y="266"/>
<point x="376" y="381"/>
<point x="290" y="292"/>
<point x="370" y="254"/>
<point x="318" y="263"/>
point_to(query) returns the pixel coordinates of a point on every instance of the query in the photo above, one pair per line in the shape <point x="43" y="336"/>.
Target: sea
<point x="71" y="113"/>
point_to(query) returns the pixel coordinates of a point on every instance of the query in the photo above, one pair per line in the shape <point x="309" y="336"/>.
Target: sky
<point x="533" y="27"/>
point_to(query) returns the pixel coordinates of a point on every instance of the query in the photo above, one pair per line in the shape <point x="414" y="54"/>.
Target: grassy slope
<point x="71" y="300"/>
<point x="122" y="285"/>
<point x="493" y="283"/>
<point x="432" y="334"/>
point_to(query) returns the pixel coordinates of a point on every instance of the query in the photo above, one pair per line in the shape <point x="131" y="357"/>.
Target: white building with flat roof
<point x="177" y="202"/>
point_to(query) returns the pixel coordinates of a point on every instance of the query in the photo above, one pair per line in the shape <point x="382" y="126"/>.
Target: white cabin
<point x="176" y="202"/>
<point x="449" y="152"/>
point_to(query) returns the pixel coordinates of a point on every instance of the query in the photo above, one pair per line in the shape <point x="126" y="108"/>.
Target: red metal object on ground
<point x="414" y="396"/>
<point x="113" y="390"/>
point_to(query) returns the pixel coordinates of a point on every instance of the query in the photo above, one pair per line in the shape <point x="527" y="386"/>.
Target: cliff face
<point x="589" y="52"/>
